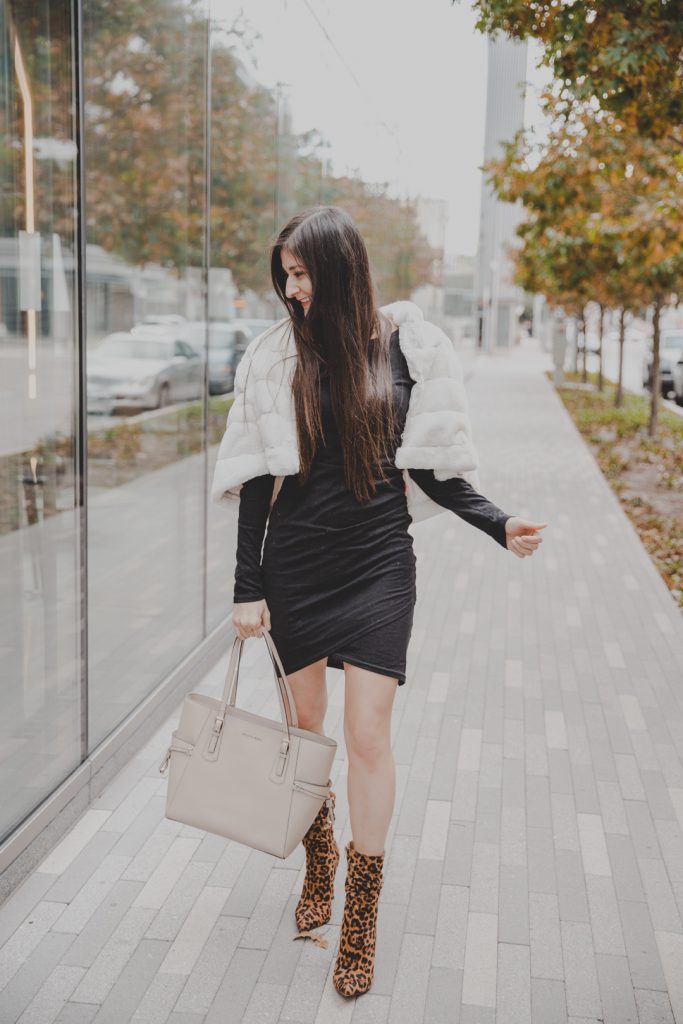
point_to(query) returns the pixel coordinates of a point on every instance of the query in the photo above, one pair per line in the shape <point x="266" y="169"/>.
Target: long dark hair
<point x="337" y="333"/>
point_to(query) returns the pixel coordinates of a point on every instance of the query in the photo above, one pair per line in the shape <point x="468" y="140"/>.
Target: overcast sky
<point x="399" y="90"/>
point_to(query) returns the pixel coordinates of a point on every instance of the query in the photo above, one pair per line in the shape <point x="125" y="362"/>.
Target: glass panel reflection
<point x="244" y="183"/>
<point x="40" y="727"/>
<point x="146" y="88"/>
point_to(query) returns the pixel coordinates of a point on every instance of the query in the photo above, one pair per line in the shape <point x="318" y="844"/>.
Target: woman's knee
<point x="367" y="715"/>
<point x="367" y="741"/>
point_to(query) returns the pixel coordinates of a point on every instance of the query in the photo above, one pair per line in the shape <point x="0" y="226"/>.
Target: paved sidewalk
<point x="535" y="857"/>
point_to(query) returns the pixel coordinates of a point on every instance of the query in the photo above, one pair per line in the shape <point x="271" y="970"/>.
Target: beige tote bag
<point x="237" y="774"/>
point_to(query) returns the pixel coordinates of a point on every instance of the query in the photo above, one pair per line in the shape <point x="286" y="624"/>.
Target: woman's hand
<point x="522" y="536"/>
<point x="250" y="618"/>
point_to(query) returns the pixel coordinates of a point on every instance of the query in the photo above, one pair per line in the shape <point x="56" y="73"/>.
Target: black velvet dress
<point x="338" y="575"/>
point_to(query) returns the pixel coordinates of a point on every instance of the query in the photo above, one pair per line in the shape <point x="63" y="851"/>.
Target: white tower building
<point x="497" y="299"/>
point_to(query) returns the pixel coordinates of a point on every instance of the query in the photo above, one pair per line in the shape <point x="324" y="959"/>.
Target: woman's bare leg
<point x="309" y="689"/>
<point x="368" y="702"/>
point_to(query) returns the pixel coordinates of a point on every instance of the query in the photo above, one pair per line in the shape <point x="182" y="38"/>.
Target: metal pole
<point x="80" y="427"/>
<point x="206" y="282"/>
<point x="495" y="282"/>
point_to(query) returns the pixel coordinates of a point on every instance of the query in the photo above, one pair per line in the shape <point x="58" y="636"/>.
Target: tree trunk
<point x="656" y="386"/>
<point x="601" y="382"/>
<point x="618" y="401"/>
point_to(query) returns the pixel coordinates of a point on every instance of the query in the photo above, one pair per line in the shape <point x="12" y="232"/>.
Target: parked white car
<point x="142" y="370"/>
<point x="670" y="352"/>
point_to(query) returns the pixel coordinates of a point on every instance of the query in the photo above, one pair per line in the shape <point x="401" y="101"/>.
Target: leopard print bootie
<point x="355" y="965"/>
<point x="322" y="857"/>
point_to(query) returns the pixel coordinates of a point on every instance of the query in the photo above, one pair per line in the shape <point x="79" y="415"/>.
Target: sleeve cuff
<point x="240" y="597"/>
<point x="499" y="533"/>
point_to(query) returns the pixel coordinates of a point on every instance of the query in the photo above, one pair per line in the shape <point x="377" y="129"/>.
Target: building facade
<point x="116" y="252"/>
<point x="498" y="300"/>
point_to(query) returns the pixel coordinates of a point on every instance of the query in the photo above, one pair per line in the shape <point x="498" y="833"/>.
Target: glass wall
<point x="145" y="86"/>
<point x="41" y="734"/>
<point x="245" y="128"/>
<point x="193" y="161"/>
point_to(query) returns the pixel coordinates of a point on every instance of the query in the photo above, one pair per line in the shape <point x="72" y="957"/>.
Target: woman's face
<point x="298" y="284"/>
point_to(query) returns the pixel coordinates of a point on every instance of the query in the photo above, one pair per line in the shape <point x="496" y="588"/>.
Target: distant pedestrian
<point x="348" y="423"/>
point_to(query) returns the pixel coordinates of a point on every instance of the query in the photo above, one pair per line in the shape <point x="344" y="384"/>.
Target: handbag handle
<point x="287" y="705"/>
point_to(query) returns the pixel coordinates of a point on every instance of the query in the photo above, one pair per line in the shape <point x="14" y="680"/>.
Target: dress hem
<point x="391" y="673"/>
<point x="336" y="661"/>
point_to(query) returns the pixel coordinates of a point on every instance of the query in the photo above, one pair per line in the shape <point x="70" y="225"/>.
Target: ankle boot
<point x="322" y="857"/>
<point x="355" y="965"/>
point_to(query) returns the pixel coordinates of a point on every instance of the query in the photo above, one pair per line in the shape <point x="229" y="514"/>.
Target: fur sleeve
<point x="241" y="453"/>
<point x="438" y="431"/>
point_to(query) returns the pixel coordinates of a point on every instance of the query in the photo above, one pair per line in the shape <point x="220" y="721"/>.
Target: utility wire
<point x="353" y="76"/>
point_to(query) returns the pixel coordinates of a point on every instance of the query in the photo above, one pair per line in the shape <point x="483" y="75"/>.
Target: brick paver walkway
<point x="535" y="858"/>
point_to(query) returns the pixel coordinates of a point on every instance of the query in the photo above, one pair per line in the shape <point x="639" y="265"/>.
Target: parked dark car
<point x="254" y="327"/>
<point x="670" y="352"/>
<point x="677" y="371"/>
<point x="227" y="342"/>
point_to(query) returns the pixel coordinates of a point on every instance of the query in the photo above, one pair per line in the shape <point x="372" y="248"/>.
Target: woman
<point x="340" y="411"/>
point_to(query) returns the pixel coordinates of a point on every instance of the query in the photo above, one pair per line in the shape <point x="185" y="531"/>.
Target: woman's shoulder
<point x="402" y="311"/>
<point x="385" y="318"/>
<point x="274" y="337"/>
<point x="416" y="333"/>
<point x="429" y="351"/>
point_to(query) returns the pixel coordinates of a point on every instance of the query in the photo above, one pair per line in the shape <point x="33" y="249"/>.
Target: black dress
<point x="338" y="575"/>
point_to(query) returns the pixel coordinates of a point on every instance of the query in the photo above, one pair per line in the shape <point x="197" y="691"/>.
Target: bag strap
<point x="287" y="705"/>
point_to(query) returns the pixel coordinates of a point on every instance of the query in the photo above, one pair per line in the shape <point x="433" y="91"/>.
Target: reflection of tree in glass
<point x="145" y="121"/>
<point x="243" y="171"/>
<point x="145" y="112"/>
<point x="44" y="40"/>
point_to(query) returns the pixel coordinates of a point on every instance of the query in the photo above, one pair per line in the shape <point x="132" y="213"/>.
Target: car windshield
<point x="672" y="340"/>
<point x="221" y="339"/>
<point x="125" y="347"/>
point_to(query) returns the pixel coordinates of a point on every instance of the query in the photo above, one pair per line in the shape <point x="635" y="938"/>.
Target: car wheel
<point x="164" y="396"/>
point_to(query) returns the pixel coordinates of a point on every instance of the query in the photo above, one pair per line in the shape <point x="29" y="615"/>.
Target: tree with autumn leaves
<point x="623" y="54"/>
<point x="603" y="217"/>
<point x="604" y="194"/>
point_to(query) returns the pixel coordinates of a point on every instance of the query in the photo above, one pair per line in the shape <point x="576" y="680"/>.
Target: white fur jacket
<point x="260" y="434"/>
